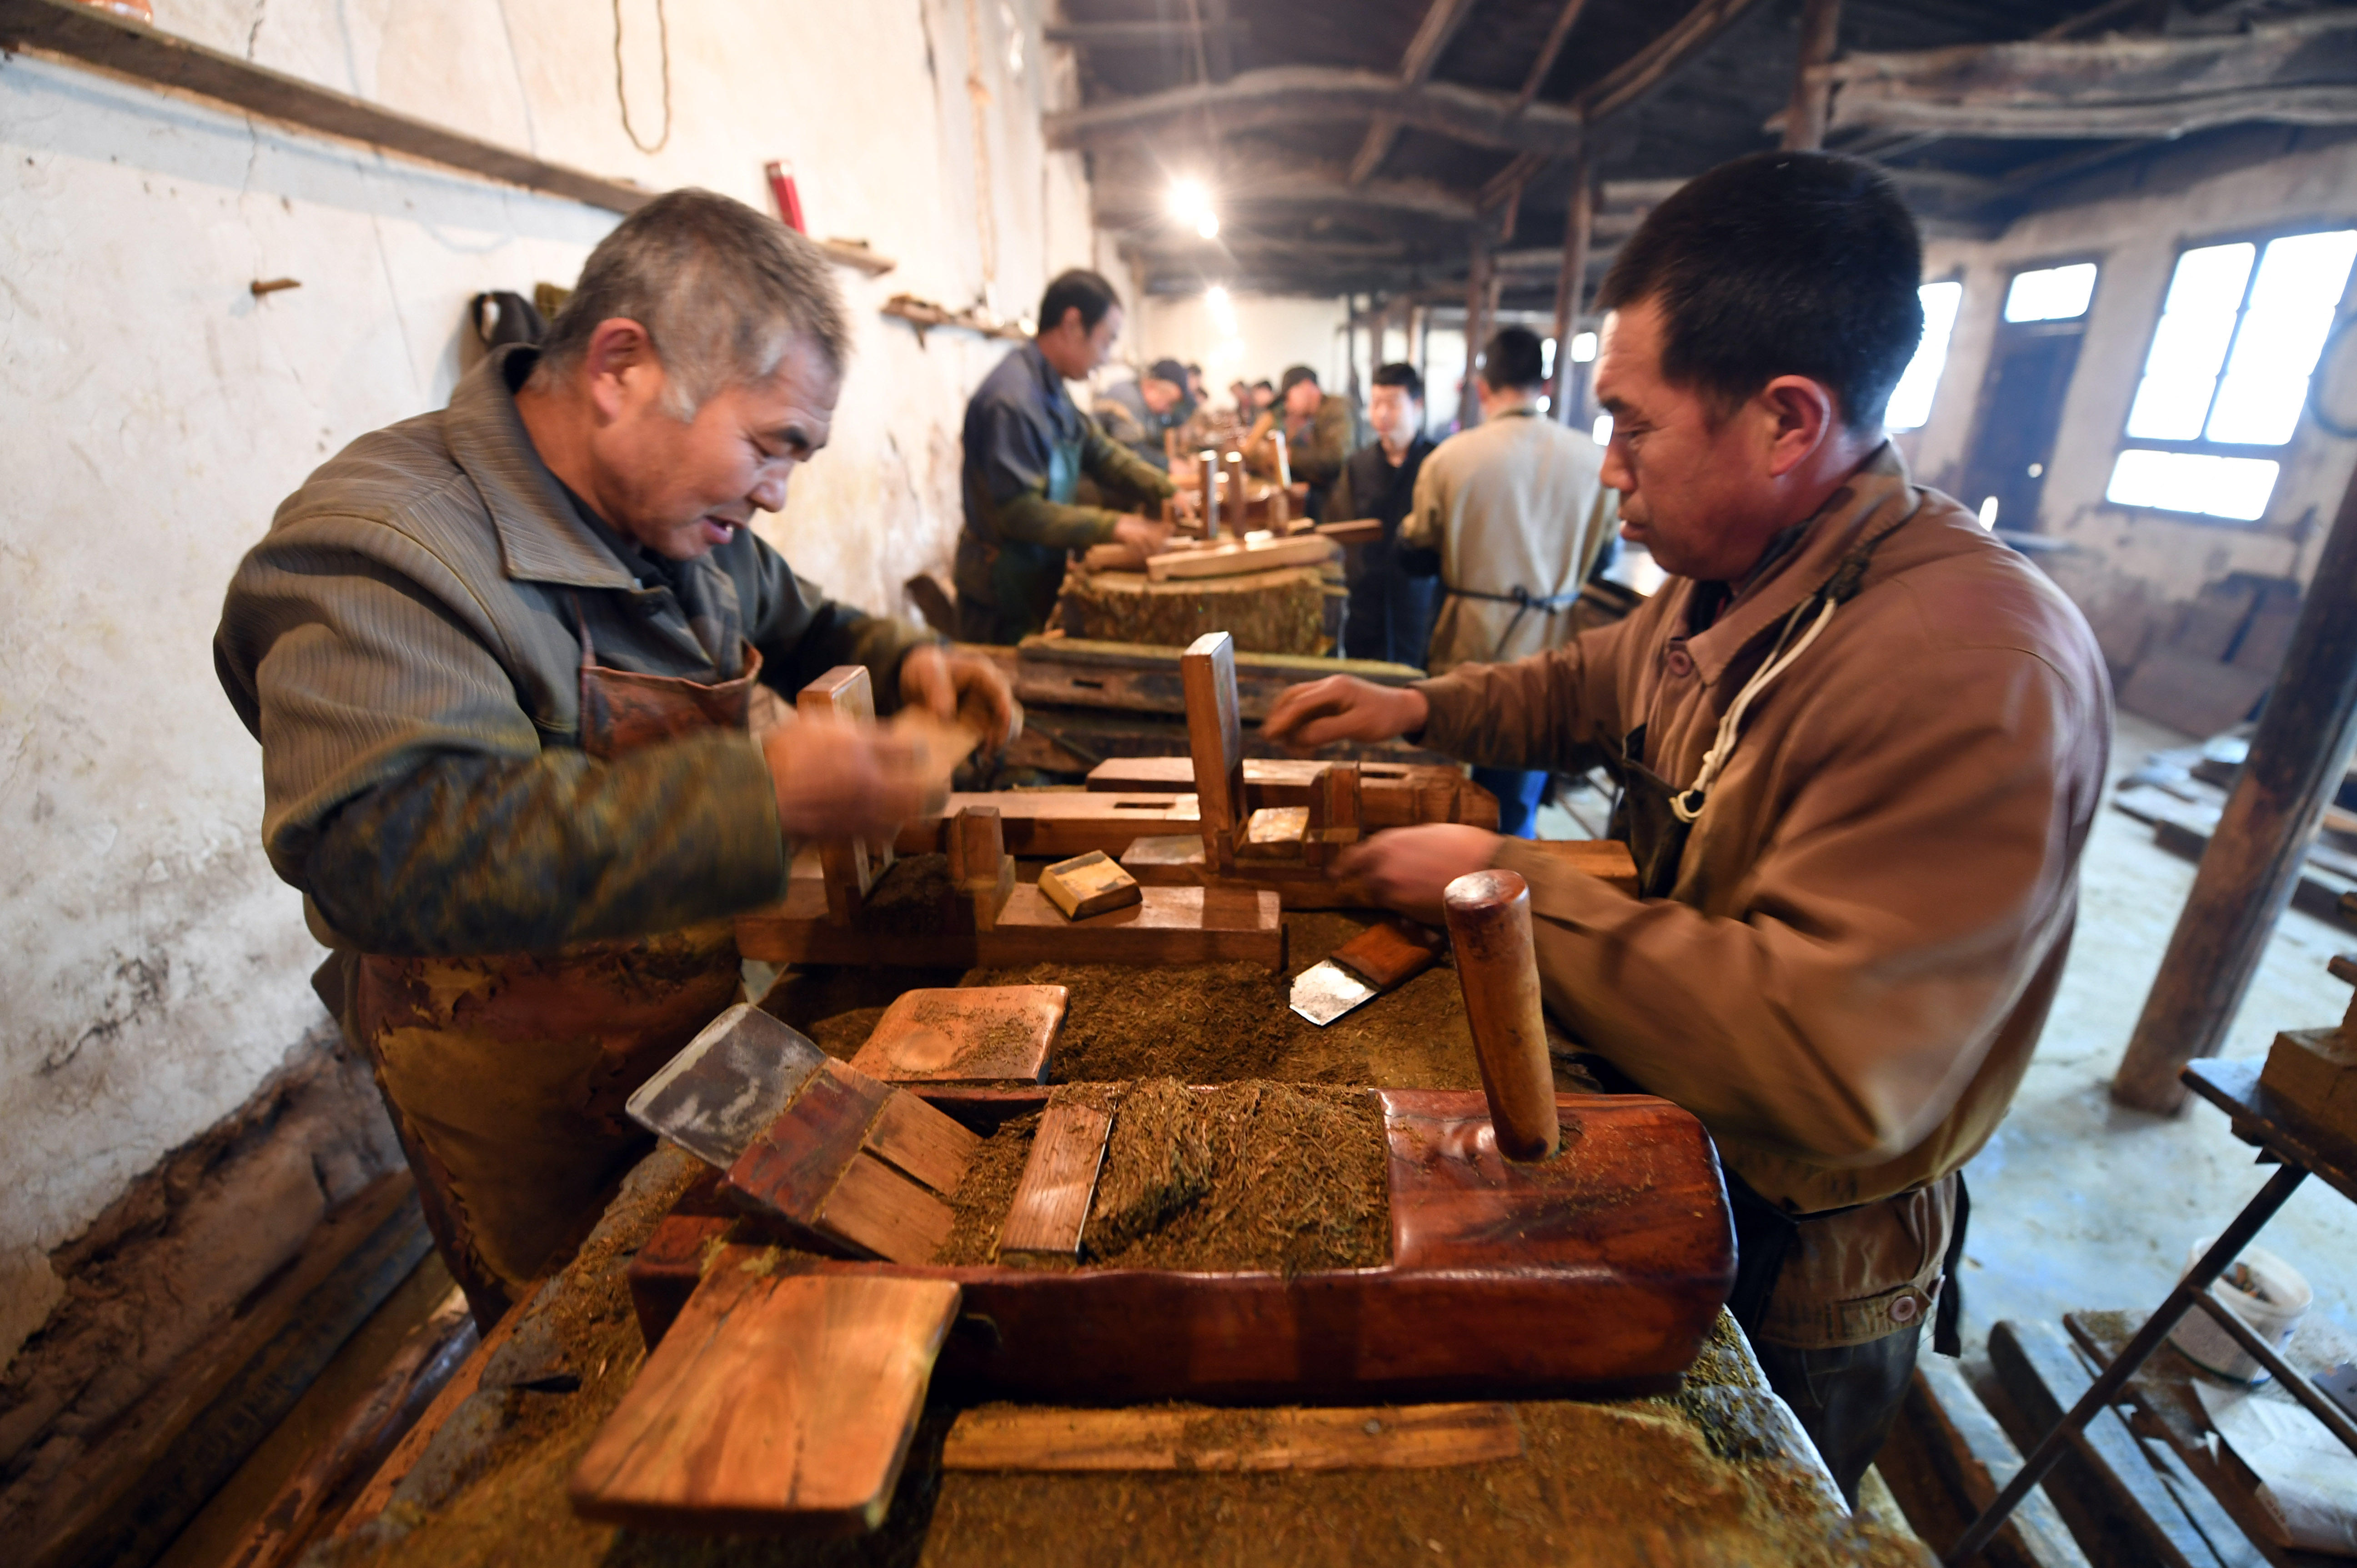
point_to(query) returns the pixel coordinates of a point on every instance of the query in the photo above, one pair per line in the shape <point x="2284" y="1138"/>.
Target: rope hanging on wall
<point x="662" y="35"/>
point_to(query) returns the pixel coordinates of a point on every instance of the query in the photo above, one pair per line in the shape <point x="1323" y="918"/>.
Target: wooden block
<point x="2315" y="1071"/>
<point x="1166" y="925"/>
<point x="793" y="1165"/>
<point x="1391" y="794"/>
<point x="851" y="866"/>
<point x="921" y="1142"/>
<point x="1388" y="954"/>
<point x="979" y="863"/>
<point x="1051" y="1201"/>
<point x="1606" y="860"/>
<point x="1334" y="812"/>
<point x="1056" y="825"/>
<point x="971" y="1033"/>
<point x="1976" y="1458"/>
<point x="775" y="1405"/>
<point x="1215" y="741"/>
<point x="1088" y="885"/>
<point x="1235" y="560"/>
<point x="1397" y="1437"/>
<point x="1275" y="832"/>
<point x="877" y="1211"/>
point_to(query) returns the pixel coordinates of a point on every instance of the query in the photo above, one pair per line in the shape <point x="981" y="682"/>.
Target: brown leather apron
<point x="507" y="1073"/>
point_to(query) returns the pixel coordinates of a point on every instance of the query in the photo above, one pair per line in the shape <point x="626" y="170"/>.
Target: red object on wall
<point x="789" y="200"/>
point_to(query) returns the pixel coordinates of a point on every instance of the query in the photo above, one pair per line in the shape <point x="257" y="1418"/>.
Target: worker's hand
<point x="949" y="683"/>
<point x="838" y="779"/>
<point x="1408" y="868"/>
<point x="1143" y="536"/>
<point x="1343" y="707"/>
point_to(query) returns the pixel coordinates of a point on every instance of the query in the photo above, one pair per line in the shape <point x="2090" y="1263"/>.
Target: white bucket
<point x="2273" y="1307"/>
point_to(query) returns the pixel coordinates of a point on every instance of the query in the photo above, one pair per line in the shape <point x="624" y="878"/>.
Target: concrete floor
<point x="2080" y="1203"/>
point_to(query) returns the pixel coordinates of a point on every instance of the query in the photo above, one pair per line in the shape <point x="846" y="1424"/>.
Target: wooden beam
<point x="2297" y="758"/>
<point x="2302" y="71"/>
<point x="1217" y="36"/>
<point x="1479" y="278"/>
<point x="1650" y="66"/>
<point x="1288" y="95"/>
<point x="1144" y="191"/>
<point x="1805" y="116"/>
<point x="1571" y="283"/>
<point x="1549" y="52"/>
<point x="1441" y="20"/>
<point x="1138" y="34"/>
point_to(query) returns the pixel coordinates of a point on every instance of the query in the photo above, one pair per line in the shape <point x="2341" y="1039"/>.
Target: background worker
<point x="1027" y="445"/>
<point x="503" y="660"/>
<point x="1390" y="611"/>
<point x="1136" y="413"/>
<point x="1320" y="429"/>
<point x="1859" y="865"/>
<point x="1506" y="514"/>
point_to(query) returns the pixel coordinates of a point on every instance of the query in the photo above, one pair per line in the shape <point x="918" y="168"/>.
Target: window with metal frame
<point x="2227" y="376"/>
<point x="1910" y="400"/>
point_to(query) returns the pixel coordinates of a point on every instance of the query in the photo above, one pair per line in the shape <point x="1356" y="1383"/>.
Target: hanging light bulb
<point x="1191" y="204"/>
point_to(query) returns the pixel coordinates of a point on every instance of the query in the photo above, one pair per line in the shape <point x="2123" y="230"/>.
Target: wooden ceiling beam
<point x="1133" y="35"/>
<point x="1441" y="20"/>
<point x="1285" y="95"/>
<point x="1140" y="191"/>
<point x="1549" y="51"/>
<point x="1651" y="65"/>
<point x="1218" y="36"/>
<point x="2302" y="71"/>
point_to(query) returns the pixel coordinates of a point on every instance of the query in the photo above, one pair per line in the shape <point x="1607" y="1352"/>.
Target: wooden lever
<point x="1489" y="916"/>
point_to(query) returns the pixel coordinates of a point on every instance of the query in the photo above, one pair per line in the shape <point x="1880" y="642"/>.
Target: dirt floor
<point x="1701" y="1477"/>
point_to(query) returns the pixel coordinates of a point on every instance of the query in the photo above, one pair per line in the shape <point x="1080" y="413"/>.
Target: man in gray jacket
<point x="1507" y="513"/>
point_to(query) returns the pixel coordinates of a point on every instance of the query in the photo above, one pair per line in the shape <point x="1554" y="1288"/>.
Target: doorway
<point x="2030" y="363"/>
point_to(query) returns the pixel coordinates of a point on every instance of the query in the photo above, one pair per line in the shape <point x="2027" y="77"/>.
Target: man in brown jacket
<point x="1861" y="743"/>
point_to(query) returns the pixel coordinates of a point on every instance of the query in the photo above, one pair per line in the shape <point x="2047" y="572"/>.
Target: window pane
<point x="2197" y="322"/>
<point x="2055" y="294"/>
<point x="2299" y="288"/>
<point x="1910" y="400"/>
<point x="2235" y="487"/>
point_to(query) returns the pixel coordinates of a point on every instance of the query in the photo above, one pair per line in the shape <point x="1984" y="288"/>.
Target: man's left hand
<point x="946" y="683"/>
<point x="1408" y="868"/>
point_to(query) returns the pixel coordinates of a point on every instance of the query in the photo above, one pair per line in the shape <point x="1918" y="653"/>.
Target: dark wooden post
<point x="1571" y="285"/>
<point x="1476" y="329"/>
<point x="1805" y="117"/>
<point x="2247" y="873"/>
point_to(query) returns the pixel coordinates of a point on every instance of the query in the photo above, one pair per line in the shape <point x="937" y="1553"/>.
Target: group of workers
<point x="513" y="667"/>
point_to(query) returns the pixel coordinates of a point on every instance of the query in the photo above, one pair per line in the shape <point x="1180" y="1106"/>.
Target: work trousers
<point x="1518" y="795"/>
<point x="1847" y="1397"/>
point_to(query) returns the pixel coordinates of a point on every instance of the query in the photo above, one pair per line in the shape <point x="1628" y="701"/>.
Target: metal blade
<point x="1324" y="991"/>
<point x="731" y="1083"/>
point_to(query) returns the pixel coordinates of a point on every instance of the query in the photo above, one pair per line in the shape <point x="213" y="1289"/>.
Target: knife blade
<point x="727" y="1086"/>
<point x="1375" y="960"/>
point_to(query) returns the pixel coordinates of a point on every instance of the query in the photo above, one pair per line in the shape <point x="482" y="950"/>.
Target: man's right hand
<point x="836" y="779"/>
<point x="1141" y="534"/>
<point x="1343" y="707"/>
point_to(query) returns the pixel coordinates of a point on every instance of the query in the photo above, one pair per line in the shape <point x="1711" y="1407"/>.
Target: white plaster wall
<point x="158" y="413"/>
<point x="2131" y="564"/>
<point x="1273" y="332"/>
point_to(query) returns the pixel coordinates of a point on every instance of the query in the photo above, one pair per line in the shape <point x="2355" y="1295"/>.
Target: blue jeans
<point x="1518" y="795"/>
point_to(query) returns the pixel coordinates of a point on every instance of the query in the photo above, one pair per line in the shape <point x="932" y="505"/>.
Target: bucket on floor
<point x="2271" y="1297"/>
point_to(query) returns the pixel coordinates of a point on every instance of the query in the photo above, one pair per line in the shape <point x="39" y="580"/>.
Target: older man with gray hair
<point x="504" y="661"/>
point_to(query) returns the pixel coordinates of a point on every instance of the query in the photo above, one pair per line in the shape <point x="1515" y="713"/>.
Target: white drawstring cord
<point x="1723" y="744"/>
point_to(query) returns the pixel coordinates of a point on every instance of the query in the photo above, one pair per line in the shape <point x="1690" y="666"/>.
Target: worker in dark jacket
<point x="1390" y="614"/>
<point x="1140" y="414"/>
<point x="1026" y="447"/>
<point x="1320" y="431"/>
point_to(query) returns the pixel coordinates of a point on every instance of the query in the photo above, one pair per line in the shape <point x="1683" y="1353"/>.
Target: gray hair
<point x="721" y="290"/>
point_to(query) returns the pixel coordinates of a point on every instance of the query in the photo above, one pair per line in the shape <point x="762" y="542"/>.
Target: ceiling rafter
<point x="1441" y="20"/>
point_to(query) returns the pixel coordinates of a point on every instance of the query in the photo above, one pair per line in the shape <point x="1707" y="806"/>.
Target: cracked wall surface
<point x="158" y="411"/>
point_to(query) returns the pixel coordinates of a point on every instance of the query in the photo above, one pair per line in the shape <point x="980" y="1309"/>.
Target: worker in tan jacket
<point x="1861" y="743"/>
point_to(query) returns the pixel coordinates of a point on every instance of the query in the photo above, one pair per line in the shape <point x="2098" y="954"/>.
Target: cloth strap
<point x="1523" y="601"/>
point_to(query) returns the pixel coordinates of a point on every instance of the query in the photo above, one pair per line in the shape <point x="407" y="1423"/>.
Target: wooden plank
<point x="968" y="1034"/>
<point x="1391" y="794"/>
<point x="921" y="1142"/>
<point x="1391" y="1438"/>
<point x="791" y="1166"/>
<point x="1167" y="925"/>
<point x="1051" y="1200"/>
<point x="1354" y="530"/>
<point x="2043" y="1377"/>
<point x="1215" y="743"/>
<point x="783" y="1405"/>
<point x="877" y="1211"/>
<point x="1977" y="1459"/>
<point x="1235" y="559"/>
<point x="1088" y="885"/>
<point x="1056" y="825"/>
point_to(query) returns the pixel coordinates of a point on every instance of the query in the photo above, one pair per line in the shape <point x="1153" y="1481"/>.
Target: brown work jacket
<point x="1869" y="920"/>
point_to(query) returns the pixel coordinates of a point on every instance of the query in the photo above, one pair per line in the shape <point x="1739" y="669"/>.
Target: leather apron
<point x="507" y="1073"/>
<point x="1644" y="818"/>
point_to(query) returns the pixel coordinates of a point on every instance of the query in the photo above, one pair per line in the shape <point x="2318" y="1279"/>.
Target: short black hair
<point x="1400" y="373"/>
<point x="1079" y="289"/>
<point x="1295" y="376"/>
<point x="1263" y="383"/>
<point x="1781" y="264"/>
<point x="1514" y="360"/>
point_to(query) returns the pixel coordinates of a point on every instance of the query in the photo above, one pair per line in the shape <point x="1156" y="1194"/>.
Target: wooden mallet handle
<point x="1490" y="921"/>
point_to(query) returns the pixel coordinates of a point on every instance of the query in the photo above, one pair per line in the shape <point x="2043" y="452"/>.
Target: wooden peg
<point x="979" y="863"/>
<point x="1489" y="916"/>
<point x="849" y="865"/>
<point x="1207" y="468"/>
<point x="1239" y="506"/>
<point x="1215" y="739"/>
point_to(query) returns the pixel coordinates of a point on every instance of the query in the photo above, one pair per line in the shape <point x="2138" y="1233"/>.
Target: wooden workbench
<point x="1715" y="1474"/>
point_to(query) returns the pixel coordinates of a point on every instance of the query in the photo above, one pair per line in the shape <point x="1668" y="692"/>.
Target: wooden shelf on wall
<point x="924" y="314"/>
<point x="111" y="42"/>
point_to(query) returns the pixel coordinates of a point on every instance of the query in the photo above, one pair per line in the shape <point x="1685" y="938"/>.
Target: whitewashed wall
<point x="156" y="413"/>
<point x="1271" y="333"/>
<point x="2131" y="565"/>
